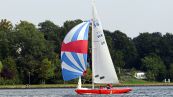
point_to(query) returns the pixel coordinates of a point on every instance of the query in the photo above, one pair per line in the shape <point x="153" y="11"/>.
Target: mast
<point x="79" y="83"/>
<point x="92" y="34"/>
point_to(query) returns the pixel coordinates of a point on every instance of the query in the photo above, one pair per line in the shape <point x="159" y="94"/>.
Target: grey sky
<point x="128" y="16"/>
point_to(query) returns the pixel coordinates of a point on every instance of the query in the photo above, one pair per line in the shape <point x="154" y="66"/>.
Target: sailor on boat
<point x="109" y="86"/>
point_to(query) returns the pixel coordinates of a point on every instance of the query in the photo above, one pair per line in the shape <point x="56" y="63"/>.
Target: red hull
<point x="103" y="91"/>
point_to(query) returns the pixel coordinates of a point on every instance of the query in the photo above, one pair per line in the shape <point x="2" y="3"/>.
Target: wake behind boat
<point x="74" y="57"/>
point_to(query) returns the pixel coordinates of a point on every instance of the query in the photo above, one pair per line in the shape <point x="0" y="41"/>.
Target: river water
<point x="142" y="91"/>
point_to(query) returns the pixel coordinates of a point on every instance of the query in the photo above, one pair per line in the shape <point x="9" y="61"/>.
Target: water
<point x="149" y="91"/>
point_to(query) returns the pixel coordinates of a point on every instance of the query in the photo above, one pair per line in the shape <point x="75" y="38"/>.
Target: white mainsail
<point x="103" y="68"/>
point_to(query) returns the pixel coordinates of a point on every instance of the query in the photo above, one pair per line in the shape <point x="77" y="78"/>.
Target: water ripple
<point x="153" y="91"/>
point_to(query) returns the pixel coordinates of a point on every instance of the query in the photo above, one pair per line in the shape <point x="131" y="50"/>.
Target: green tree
<point x="9" y="70"/>
<point x="52" y="34"/>
<point x="171" y="71"/>
<point x="1" y="66"/>
<point x="166" y="47"/>
<point x="119" y="59"/>
<point x="146" y="44"/>
<point x="50" y="30"/>
<point x="31" y="40"/>
<point x="154" y="66"/>
<point x="33" y="50"/>
<point x="4" y="49"/>
<point x="58" y="75"/>
<point x="5" y="25"/>
<point x="46" y="70"/>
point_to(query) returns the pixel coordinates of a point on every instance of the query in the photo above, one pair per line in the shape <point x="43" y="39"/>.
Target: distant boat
<point x="74" y="57"/>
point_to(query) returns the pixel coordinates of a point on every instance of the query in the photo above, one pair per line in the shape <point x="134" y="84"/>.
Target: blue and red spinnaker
<point x="74" y="51"/>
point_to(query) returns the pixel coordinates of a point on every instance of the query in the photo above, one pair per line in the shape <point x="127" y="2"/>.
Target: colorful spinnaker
<point x="74" y="51"/>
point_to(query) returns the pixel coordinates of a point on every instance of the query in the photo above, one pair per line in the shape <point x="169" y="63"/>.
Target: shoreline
<point x="46" y="86"/>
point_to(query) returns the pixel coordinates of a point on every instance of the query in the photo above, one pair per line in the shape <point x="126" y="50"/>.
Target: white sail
<point x="103" y="68"/>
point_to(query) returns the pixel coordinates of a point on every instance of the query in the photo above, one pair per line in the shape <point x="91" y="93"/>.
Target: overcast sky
<point x="128" y="16"/>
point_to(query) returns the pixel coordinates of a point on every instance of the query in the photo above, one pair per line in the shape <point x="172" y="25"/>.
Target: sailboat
<point x="74" y="57"/>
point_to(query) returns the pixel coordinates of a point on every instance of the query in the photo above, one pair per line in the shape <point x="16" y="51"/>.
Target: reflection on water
<point x="154" y="91"/>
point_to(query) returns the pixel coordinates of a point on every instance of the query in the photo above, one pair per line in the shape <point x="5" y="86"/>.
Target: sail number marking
<point x="102" y="40"/>
<point x="99" y="33"/>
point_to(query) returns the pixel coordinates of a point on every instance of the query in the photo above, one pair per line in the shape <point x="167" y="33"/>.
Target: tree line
<point x="30" y="52"/>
